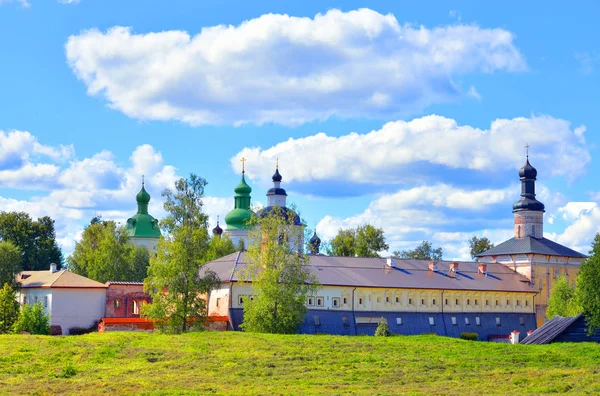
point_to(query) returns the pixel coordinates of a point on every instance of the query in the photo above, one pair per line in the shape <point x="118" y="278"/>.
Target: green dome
<point x="142" y="196"/>
<point x="142" y="224"/>
<point x="239" y="217"/>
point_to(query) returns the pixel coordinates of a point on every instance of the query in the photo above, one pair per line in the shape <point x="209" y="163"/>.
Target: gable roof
<point x="374" y="272"/>
<point x="59" y="279"/>
<point x="550" y="330"/>
<point x="528" y="245"/>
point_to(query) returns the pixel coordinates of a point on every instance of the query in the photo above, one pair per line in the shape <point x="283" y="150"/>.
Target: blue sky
<point x="408" y="115"/>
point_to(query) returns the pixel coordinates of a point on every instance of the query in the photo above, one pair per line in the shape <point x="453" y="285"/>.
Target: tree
<point x="9" y="309"/>
<point x="177" y="279"/>
<point x="362" y="241"/>
<point x="281" y="279"/>
<point x="33" y="319"/>
<point x="588" y="287"/>
<point x="36" y="240"/>
<point x="220" y="246"/>
<point x="105" y="254"/>
<point x="479" y="245"/>
<point x="383" y="329"/>
<point x="562" y="299"/>
<point x="10" y="264"/>
<point x="424" y="251"/>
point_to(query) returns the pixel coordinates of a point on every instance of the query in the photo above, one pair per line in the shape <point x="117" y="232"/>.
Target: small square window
<point x="320" y="302"/>
<point x="476" y="302"/>
<point x="477" y="320"/>
<point x="410" y="301"/>
<point x="497" y="302"/>
<point x="433" y="302"/>
<point x="518" y="303"/>
<point x="345" y="321"/>
<point x="251" y="297"/>
<point x="431" y="321"/>
<point x="526" y="303"/>
<point x="522" y="321"/>
<point x="345" y="300"/>
<point x="241" y="300"/>
<point x="387" y="299"/>
<point x="498" y="323"/>
<point x="507" y="302"/>
<point x="310" y="301"/>
<point x="397" y="299"/>
<point x="468" y="301"/>
<point x="135" y="307"/>
<point x="454" y="322"/>
<point x="467" y="321"/>
<point x="335" y="302"/>
<point x="399" y="321"/>
<point x="360" y="301"/>
<point x="117" y="303"/>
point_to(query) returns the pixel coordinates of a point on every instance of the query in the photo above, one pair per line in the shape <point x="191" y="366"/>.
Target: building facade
<point x="537" y="258"/>
<point x="412" y="296"/>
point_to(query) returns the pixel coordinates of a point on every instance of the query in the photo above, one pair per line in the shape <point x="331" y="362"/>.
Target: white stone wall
<point x="218" y="302"/>
<point x="237" y="235"/>
<point x="77" y="307"/>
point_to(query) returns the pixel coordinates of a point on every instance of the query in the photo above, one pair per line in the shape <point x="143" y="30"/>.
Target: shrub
<point x="383" y="330"/>
<point x="9" y="309"/>
<point x="469" y="336"/>
<point x="33" y="320"/>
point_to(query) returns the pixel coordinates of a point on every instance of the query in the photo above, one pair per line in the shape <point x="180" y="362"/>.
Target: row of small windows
<point x="400" y="322"/>
<point x="135" y="306"/>
<point x="35" y="300"/>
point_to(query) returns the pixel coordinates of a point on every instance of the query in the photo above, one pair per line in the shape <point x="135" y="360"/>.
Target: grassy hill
<point x="238" y="363"/>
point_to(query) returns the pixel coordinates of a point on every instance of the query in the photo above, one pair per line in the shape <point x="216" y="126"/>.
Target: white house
<point x="71" y="300"/>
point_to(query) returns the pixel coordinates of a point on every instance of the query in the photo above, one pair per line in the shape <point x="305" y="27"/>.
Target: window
<point x="431" y="321"/>
<point x="468" y="301"/>
<point x="522" y="321"/>
<point x="378" y="299"/>
<point x="446" y="301"/>
<point x="498" y="323"/>
<point x="387" y="299"/>
<point x="45" y="301"/>
<point x="477" y="320"/>
<point x="467" y="321"/>
<point x="317" y="321"/>
<point x="117" y="303"/>
<point x="135" y="307"/>
<point x="218" y="302"/>
<point x="241" y="300"/>
<point x="345" y="321"/>
<point x="251" y="297"/>
<point x="320" y="302"/>
<point x="433" y="302"/>
<point x="35" y="299"/>
<point x="397" y="299"/>
<point x="518" y="303"/>
<point x="507" y="302"/>
<point x="497" y="302"/>
<point x="422" y="301"/>
<point x="476" y="302"/>
<point x="457" y="301"/>
<point x="487" y="302"/>
<point x="24" y="299"/>
<point x="360" y="301"/>
<point x="454" y="322"/>
<point x="335" y="302"/>
<point x="399" y="321"/>
<point x="345" y="300"/>
<point x="410" y="301"/>
<point x="310" y="301"/>
<point x="526" y="303"/>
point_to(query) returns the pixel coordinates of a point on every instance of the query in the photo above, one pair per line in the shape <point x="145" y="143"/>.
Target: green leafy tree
<point x="33" y="319"/>
<point x="105" y="254"/>
<point x="36" y="240"/>
<point x="424" y="251"/>
<point x="362" y="241"/>
<point x="177" y="279"/>
<point x="10" y="263"/>
<point x="220" y="246"/>
<point x="479" y="245"/>
<point x="588" y="287"/>
<point x="9" y="309"/>
<point x="281" y="279"/>
<point x="562" y="299"/>
<point x="383" y="329"/>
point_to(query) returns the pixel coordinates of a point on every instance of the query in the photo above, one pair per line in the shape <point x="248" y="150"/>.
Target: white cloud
<point x="68" y="1"/>
<point x="384" y="155"/>
<point x="23" y="3"/>
<point x="285" y="69"/>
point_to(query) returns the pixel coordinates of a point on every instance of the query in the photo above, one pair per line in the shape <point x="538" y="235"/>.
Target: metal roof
<point x="550" y="330"/>
<point x="125" y="283"/>
<point x="58" y="279"/>
<point x="374" y="272"/>
<point x="530" y="244"/>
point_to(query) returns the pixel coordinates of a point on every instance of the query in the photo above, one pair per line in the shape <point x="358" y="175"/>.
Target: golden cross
<point x="277" y="166"/>
<point x="243" y="164"/>
<point x="527" y="149"/>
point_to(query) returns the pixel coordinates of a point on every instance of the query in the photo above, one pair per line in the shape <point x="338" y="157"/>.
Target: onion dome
<point x="242" y="188"/>
<point x="218" y="231"/>
<point x="277" y="177"/>
<point x="239" y="218"/>
<point x="142" y="197"/>
<point x="142" y="225"/>
<point x="527" y="171"/>
<point x="314" y="244"/>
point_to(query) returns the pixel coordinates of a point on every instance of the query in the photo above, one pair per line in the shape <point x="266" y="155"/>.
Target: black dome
<point x="528" y="204"/>
<point x="527" y="171"/>
<point x="217" y="230"/>
<point x="277" y="177"/>
<point x="285" y="212"/>
<point x="315" y="239"/>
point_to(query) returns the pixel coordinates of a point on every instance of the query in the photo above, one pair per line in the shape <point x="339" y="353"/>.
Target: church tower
<point x="238" y="219"/>
<point x="142" y="229"/>
<point x="528" y="211"/>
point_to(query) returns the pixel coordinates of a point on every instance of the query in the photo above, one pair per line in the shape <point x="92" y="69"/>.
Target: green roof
<point x="142" y="224"/>
<point x="239" y="217"/>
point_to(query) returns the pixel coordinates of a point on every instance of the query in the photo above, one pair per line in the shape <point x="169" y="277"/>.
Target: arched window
<point x="519" y="232"/>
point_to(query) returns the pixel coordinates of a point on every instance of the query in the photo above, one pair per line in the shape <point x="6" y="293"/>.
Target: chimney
<point x="53" y="268"/>
<point x="514" y="337"/>
<point x="529" y="333"/>
<point x="454" y="266"/>
<point x="432" y="266"/>
<point x="482" y="268"/>
<point x="390" y="262"/>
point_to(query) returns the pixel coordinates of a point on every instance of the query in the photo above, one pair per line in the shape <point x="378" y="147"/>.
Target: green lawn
<point x="238" y="363"/>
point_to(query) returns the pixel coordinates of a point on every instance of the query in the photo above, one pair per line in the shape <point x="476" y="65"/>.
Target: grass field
<point x="238" y="363"/>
